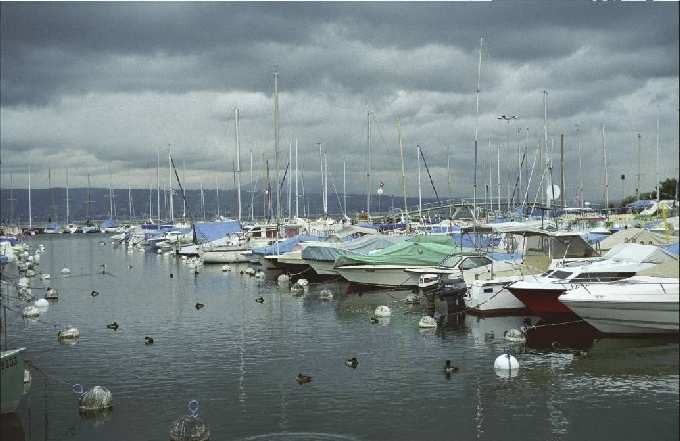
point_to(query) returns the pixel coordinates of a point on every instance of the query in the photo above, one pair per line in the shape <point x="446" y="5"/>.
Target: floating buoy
<point x="51" y="294"/>
<point x="45" y="276"/>
<point x="283" y="278"/>
<point x="514" y="336"/>
<point x="97" y="398"/>
<point x="30" y="311"/>
<point x="65" y="271"/>
<point x="68" y="333"/>
<point x="427" y="322"/>
<point x="506" y="362"/>
<point x="303" y="379"/>
<point x="303" y="283"/>
<point x="250" y="271"/>
<point x="42" y="303"/>
<point x="226" y="268"/>
<point x="30" y="258"/>
<point x="382" y="311"/>
<point x="184" y="258"/>
<point x="352" y="362"/>
<point x="159" y="251"/>
<point x="326" y="294"/>
<point x="190" y="427"/>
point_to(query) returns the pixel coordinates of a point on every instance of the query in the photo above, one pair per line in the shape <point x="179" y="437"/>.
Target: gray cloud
<point x="99" y="87"/>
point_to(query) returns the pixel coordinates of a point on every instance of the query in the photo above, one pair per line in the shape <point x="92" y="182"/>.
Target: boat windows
<point x="451" y="261"/>
<point x="601" y="277"/>
<point x="560" y="274"/>
<point x="474" y="262"/>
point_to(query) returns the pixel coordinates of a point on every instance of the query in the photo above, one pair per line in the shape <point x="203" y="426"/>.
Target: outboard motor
<point x="452" y="289"/>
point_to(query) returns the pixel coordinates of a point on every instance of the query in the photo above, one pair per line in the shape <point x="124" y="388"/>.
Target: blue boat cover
<point x="285" y="246"/>
<point x="672" y="248"/>
<point x="109" y="223"/>
<point x="209" y="231"/>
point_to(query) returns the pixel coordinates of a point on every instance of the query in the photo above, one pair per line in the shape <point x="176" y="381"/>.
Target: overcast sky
<point x="93" y="87"/>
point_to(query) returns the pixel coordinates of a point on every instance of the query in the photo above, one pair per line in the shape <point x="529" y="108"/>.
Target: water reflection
<point x="11" y="427"/>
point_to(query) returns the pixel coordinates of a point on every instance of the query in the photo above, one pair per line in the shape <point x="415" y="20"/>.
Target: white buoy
<point x="66" y="271"/>
<point x="51" y="293"/>
<point x="514" y="336"/>
<point x="427" y="322"/>
<point x="30" y="258"/>
<point x="412" y="299"/>
<point x="506" y="362"/>
<point x="27" y="376"/>
<point x="283" y="278"/>
<point x="42" y="303"/>
<point x="250" y="271"/>
<point x="303" y="283"/>
<point x="68" y="333"/>
<point x="36" y="258"/>
<point x="382" y="311"/>
<point x="159" y="251"/>
<point x="326" y="294"/>
<point x="31" y="311"/>
<point x="226" y="268"/>
<point x="45" y="276"/>
<point x="94" y="399"/>
<point x="259" y="275"/>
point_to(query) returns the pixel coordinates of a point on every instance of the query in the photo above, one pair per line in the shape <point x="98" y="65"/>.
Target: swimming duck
<point x="113" y="326"/>
<point x="129" y="266"/>
<point x="94" y="293"/>
<point x="448" y="369"/>
<point x="352" y="362"/>
<point x="259" y="300"/>
<point x="374" y="320"/>
<point x="199" y="305"/>
<point x="171" y="275"/>
<point x="148" y="340"/>
<point x="302" y="379"/>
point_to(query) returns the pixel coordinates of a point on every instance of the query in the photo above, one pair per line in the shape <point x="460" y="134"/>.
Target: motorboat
<point x="637" y="305"/>
<point x="540" y="293"/>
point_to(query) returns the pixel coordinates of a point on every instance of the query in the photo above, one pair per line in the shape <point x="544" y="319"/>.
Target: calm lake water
<point x="239" y="359"/>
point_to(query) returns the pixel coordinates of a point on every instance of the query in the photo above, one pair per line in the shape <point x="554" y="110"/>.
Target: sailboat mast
<point x="158" y="184"/>
<point x="448" y="169"/>
<point x="202" y="202"/>
<point x="290" y="180"/>
<point x="49" y="190"/>
<point x="130" y="201"/>
<point x="403" y="166"/>
<point x="276" y="144"/>
<point x="297" y="195"/>
<point x="323" y="206"/>
<point x="420" y="193"/>
<point x="637" y="189"/>
<point x="170" y="190"/>
<point x="184" y="180"/>
<point x="474" y="182"/>
<point x="217" y="196"/>
<point x="238" y="165"/>
<point x="30" y="214"/>
<point x="606" y="172"/>
<point x="545" y="140"/>
<point x="110" y="194"/>
<point x="325" y="184"/>
<point x="344" y="188"/>
<point x="89" y="199"/>
<point x="368" y="170"/>
<point x="580" y="166"/>
<point x="656" y="167"/>
<point x="67" y="210"/>
<point x="498" y="174"/>
<point x="252" y="194"/>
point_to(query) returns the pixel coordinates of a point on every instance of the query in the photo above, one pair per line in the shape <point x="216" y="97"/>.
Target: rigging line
<point x="335" y="190"/>
<point x="422" y="155"/>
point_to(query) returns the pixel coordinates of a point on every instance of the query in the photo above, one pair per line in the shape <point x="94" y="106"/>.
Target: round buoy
<point x="226" y="268"/>
<point x="30" y="311"/>
<point x="65" y="271"/>
<point x="506" y="362"/>
<point x="96" y="398"/>
<point x="42" y="303"/>
<point x="383" y="311"/>
<point x="283" y="278"/>
<point x="45" y="276"/>
<point x="304" y="283"/>
<point x="68" y="333"/>
<point x="190" y="427"/>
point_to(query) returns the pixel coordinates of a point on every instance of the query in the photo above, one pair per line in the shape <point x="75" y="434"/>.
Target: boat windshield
<point x="560" y="274"/>
<point x="451" y="261"/>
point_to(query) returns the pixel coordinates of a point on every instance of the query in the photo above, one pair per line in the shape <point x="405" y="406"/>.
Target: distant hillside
<point x="50" y="206"/>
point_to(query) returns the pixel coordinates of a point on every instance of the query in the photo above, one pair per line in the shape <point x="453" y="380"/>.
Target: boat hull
<point x="628" y="317"/>
<point x="12" y="379"/>
<point x="323" y="268"/>
<point x="379" y="276"/>
<point x="232" y="256"/>
<point x="493" y="299"/>
<point x="542" y="302"/>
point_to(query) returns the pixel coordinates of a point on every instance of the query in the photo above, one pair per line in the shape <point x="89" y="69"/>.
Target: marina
<point x="473" y="233"/>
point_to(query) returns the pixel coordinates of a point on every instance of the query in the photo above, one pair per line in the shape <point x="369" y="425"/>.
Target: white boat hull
<point x="232" y="256"/>
<point x="492" y="298"/>
<point x="383" y="275"/>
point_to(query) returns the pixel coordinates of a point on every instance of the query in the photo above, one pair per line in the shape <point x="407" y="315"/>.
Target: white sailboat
<point x="70" y="227"/>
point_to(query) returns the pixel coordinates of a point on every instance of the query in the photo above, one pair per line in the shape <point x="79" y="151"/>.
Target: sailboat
<point x="89" y="226"/>
<point x="70" y="227"/>
<point x="52" y="227"/>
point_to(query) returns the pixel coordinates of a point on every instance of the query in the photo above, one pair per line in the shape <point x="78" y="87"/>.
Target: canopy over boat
<point x="330" y="251"/>
<point x="411" y="253"/>
<point x="633" y="235"/>
<point x="285" y="246"/>
<point x="209" y="231"/>
<point x="109" y="223"/>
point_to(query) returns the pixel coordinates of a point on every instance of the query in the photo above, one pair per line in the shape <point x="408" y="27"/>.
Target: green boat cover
<point x="403" y="253"/>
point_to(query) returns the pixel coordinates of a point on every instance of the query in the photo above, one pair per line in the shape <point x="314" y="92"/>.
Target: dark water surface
<point x="239" y="359"/>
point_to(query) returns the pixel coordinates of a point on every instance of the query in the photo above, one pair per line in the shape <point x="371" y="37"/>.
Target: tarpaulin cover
<point x="109" y="223"/>
<point x="285" y="246"/>
<point x="402" y="253"/>
<point x="635" y="253"/>
<point x="209" y="231"/>
<point x="330" y="251"/>
<point x="672" y="248"/>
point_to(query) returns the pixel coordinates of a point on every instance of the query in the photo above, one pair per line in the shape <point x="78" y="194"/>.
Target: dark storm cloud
<point x="107" y="84"/>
